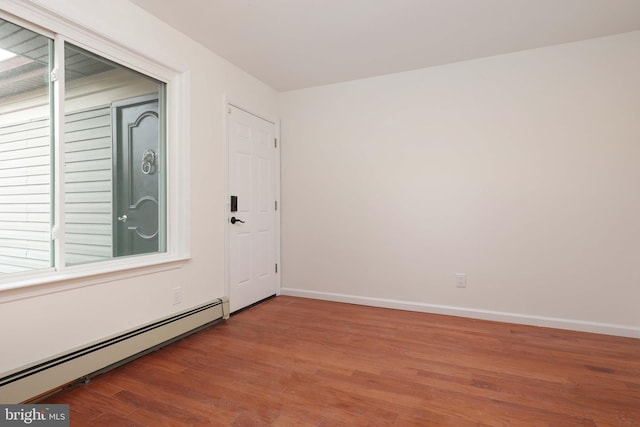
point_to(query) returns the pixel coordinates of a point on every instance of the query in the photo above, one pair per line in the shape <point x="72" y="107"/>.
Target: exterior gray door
<point x="135" y="179"/>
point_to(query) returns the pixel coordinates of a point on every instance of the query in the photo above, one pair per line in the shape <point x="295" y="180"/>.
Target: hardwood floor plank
<point x="88" y="405"/>
<point x="300" y="362"/>
<point x="159" y="408"/>
<point x="110" y="420"/>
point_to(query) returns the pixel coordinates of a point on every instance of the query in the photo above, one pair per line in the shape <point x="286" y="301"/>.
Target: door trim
<point x="229" y="102"/>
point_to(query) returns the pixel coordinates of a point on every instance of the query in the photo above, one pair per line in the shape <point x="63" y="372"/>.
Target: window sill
<point x="35" y="284"/>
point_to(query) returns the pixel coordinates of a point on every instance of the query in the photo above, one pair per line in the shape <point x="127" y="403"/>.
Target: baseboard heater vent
<point x="34" y="380"/>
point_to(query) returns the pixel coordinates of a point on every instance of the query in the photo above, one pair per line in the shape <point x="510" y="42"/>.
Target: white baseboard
<point x="523" y="319"/>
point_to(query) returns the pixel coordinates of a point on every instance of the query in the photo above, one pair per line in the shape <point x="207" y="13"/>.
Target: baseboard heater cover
<point x="23" y="384"/>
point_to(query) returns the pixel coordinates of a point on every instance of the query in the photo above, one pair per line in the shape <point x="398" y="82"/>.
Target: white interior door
<point x="252" y="223"/>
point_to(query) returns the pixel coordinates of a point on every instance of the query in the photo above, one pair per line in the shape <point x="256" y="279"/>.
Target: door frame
<point x="229" y="102"/>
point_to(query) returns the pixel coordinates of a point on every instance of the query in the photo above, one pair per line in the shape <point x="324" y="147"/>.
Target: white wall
<point x="37" y="327"/>
<point x="521" y="170"/>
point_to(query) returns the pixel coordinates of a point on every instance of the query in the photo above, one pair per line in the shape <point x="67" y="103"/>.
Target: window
<point x="25" y="150"/>
<point x="113" y="144"/>
<point x="83" y="158"/>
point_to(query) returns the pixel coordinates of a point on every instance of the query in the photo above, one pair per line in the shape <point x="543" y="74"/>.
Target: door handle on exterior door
<point x="122" y="218"/>
<point x="234" y="220"/>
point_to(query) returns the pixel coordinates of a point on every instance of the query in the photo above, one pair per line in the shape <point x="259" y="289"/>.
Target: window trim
<point x="177" y="186"/>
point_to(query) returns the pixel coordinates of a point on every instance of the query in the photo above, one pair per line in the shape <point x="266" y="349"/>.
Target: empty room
<point x="440" y="222"/>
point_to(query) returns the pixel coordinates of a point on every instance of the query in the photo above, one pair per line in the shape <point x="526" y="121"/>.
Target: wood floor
<point x="300" y="362"/>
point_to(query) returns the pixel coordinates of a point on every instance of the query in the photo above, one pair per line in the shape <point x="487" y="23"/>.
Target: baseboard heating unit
<point x="26" y="383"/>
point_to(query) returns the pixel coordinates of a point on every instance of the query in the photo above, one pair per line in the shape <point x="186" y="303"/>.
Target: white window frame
<point x="37" y="282"/>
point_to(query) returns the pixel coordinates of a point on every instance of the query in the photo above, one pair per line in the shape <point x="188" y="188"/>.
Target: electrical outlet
<point x="461" y="280"/>
<point x="177" y="295"/>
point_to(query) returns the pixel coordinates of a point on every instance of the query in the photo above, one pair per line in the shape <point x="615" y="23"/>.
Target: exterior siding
<point x="88" y="185"/>
<point x="25" y="191"/>
<point x="25" y="196"/>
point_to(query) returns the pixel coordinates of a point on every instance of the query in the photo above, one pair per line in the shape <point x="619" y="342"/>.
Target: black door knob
<point x="234" y="220"/>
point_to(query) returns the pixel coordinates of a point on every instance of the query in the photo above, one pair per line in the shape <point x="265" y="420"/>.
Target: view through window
<point x="114" y="156"/>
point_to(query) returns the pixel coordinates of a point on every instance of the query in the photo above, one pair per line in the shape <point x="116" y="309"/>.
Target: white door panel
<point x="252" y="245"/>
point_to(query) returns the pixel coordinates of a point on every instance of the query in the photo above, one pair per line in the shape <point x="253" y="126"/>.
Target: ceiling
<point x="293" y="44"/>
